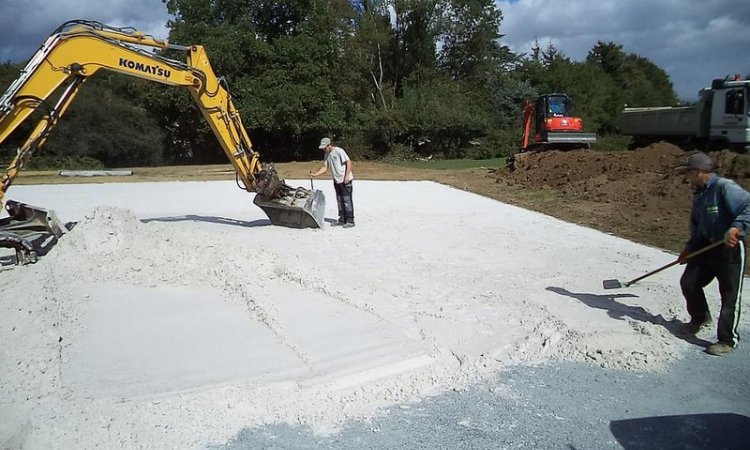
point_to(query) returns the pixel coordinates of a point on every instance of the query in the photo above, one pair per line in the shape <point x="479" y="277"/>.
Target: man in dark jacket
<point x="721" y="211"/>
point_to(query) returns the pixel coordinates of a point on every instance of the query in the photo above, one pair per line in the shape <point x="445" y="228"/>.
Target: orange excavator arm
<point x="528" y="114"/>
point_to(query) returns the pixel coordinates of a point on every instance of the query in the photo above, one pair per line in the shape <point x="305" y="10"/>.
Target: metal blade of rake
<point x="613" y="284"/>
<point x="617" y="284"/>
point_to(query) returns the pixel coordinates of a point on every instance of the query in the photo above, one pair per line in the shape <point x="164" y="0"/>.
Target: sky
<point x="694" y="41"/>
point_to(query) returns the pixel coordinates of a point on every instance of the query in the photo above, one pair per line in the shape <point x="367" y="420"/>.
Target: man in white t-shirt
<point x="337" y="161"/>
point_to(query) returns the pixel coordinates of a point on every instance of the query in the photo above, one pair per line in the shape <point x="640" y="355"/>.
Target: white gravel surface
<point x="174" y="315"/>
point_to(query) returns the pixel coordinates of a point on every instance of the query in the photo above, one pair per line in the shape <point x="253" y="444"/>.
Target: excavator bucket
<point x="299" y="208"/>
<point x="29" y="230"/>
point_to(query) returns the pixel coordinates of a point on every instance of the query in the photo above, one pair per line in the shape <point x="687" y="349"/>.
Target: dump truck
<point x="719" y="119"/>
<point x="77" y="50"/>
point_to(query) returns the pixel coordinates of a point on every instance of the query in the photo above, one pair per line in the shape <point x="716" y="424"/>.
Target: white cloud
<point x="25" y="24"/>
<point x="694" y="41"/>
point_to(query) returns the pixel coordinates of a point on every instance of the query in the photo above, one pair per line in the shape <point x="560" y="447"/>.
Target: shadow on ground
<point x="620" y="311"/>
<point x="210" y="219"/>
<point x="720" y="431"/>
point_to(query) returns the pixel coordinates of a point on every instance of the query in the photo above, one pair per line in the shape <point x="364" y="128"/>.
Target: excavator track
<point x="29" y="230"/>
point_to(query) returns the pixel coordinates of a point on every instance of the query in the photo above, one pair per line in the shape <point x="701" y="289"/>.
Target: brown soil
<point x="633" y="194"/>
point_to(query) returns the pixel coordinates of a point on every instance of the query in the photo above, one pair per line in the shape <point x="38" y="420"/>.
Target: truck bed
<point x="661" y="121"/>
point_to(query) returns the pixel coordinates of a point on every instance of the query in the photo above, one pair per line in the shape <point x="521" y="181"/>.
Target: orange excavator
<point x="554" y="126"/>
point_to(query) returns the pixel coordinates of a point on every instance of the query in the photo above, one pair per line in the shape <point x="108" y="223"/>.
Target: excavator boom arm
<point x="82" y="51"/>
<point x="78" y="50"/>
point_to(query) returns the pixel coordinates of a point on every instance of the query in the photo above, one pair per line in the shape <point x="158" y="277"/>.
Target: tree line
<point x="384" y="78"/>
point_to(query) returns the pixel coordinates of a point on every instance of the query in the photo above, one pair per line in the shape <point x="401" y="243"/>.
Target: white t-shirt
<point x="335" y="161"/>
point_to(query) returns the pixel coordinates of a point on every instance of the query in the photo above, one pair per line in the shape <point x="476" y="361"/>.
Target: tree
<point x="441" y="117"/>
<point x="103" y="125"/>
<point x="646" y="84"/>
<point x="284" y="62"/>
<point x="640" y="81"/>
<point x="371" y="55"/>
<point x="470" y="37"/>
<point x="417" y="28"/>
<point x="609" y="57"/>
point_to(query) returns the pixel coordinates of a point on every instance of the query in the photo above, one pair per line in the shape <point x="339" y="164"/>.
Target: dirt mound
<point x="630" y="186"/>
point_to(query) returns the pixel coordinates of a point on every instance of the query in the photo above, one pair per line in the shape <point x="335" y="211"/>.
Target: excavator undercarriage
<point x="77" y="50"/>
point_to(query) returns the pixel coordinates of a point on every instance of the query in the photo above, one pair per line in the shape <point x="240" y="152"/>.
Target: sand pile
<point x="178" y="332"/>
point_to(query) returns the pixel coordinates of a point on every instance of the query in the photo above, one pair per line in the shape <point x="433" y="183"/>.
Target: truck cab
<point x="729" y="111"/>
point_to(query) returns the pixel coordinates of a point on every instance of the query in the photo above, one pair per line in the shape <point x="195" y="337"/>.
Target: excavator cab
<point x="556" y="105"/>
<point x="79" y="49"/>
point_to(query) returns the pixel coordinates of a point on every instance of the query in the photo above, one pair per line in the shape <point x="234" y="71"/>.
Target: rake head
<point x="614" y="284"/>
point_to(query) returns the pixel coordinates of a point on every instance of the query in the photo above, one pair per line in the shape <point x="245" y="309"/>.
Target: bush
<point x="356" y="147"/>
<point x="499" y="143"/>
<point x="611" y="142"/>
<point x="400" y="152"/>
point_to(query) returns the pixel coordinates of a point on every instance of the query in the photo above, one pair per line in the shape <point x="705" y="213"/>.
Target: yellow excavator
<point x="77" y="50"/>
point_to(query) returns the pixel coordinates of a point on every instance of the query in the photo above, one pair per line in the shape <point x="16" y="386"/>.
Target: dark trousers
<point x="344" y="200"/>
<point x="727" y="265"/>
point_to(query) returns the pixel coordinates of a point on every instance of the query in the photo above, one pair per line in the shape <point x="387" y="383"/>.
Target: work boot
<point x="720" y="348"/>
<point x="338" y="223"/>
<point x="349" y="224"/>
<point x="693" y="327"/>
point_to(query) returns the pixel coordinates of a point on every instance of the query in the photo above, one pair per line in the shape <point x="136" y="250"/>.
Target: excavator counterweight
<point x="79" y="49"/>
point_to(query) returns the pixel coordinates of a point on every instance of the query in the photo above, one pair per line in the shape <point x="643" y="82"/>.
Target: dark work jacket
<point x="718" y="206"/>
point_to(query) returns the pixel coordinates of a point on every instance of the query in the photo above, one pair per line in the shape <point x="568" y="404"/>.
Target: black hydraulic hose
<point x="96" y="26"/>
<point x="237" y="182"/>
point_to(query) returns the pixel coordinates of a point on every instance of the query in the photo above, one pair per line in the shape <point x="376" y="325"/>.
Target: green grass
<point x="451" y="164"/>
